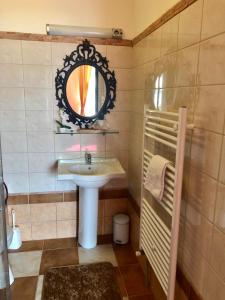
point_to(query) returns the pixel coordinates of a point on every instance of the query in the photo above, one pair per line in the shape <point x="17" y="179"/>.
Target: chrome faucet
<point x="88" y="158"/>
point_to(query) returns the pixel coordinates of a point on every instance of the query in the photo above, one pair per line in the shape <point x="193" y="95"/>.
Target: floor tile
<point x="134" y="280"/>
<point x="58" y="258"/>
<point x="24" y="288"/>
<point x="98" y="254"/>
<point x="60" y="243"/>
<point x="39" y="287"/>
<point x="125" y="255"/>
<point x="29" y="246"/>
<point x="25" y="264"/>
<point x="120" y="283"/>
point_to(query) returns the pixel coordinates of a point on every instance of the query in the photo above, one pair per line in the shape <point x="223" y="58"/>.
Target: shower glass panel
<point x="4" y="276"/>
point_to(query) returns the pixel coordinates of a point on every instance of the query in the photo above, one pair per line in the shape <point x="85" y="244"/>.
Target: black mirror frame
<point x="85" y="54"/>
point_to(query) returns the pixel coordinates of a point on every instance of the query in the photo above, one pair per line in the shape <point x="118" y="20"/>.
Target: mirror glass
<point x="86" y="90"/>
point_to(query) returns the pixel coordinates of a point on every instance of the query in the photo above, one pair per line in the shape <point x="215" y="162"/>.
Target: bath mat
<point x="81" y="282"/>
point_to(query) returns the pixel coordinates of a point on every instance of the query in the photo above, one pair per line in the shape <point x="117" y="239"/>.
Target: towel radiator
<point x="164" y="133"/>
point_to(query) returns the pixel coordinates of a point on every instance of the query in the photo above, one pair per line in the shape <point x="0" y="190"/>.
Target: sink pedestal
<point x="88" y="217"/>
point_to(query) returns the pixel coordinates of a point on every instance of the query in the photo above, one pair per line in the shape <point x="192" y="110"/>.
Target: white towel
<point x="154" y="181"/>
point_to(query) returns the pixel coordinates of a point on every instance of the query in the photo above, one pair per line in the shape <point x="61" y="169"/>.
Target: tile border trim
<point x="62" y="39"/>
<point x="104" y="194"/>
<point x="169" y="14"/>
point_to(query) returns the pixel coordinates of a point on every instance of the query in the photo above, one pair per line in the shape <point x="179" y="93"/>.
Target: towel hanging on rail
<point x="154" y="181"/>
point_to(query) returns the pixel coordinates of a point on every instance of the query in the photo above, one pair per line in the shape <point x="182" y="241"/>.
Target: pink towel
<point x="154" y="181"/>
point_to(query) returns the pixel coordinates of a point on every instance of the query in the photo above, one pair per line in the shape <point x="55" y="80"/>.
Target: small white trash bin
<point x="121" y="229"/>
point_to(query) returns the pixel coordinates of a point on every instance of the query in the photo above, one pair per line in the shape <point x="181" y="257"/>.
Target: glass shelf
<point x="90" y="131"/>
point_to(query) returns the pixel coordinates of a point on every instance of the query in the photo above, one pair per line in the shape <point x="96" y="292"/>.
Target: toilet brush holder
<point x="11" y="277"/>
<point x="16" y="239"/>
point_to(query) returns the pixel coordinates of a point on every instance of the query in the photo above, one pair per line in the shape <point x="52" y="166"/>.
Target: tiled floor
<point x="35" y="257"/>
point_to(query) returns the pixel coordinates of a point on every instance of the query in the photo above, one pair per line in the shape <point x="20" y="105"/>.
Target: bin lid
<point x="121" y="219"/>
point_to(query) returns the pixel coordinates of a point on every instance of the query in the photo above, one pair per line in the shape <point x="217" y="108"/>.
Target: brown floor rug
<point x="81" y="282"/>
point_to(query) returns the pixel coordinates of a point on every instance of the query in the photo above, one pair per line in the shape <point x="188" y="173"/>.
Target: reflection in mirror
<point x="86" y="90"/>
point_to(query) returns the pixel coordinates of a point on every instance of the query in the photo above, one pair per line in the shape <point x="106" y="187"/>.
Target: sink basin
<point x="95" y="175"/>
<point x="89" y="178"/>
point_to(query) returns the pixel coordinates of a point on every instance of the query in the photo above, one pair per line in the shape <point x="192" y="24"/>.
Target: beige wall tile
<point x="67" y="143"/>
<point x="198" y="233"/>
<point x="117" y="142"/>
<point x="202" y="193"/>
<point x="40" y="141"/>
<point x="119" y="57"/>
<point x="137" y="102"/>
<point x="210" y="108"/>
<point x="10" y="51"/>
<point x="166" y="69"/>
<point x="12" y="99"/>
<point x="140" y="53"/>
<point x="25" y="231"/>
<point x="187" y="60"/>
<point x="14" y="142"/>
<point x="134" y="227"/>
<point x="66" y="228"/>
<point x="39" y="120"/>
<point x="213" y="18"/>
<point x="38" y="99"/>
<point x="217" y="253"/>
<point x="18" y="183"/>
<point x="169" y="35"/>
<point x="214" y="287"/>
<point x="115" y="206"/>
<point x="66" y="210"/>
<point x="123" y="101"/>
<point x="108" y="225"/>
<point x="42" y="182"/>
<point x="44" y="230"/>
<point x="23" y="214"/>
<point x="211" y="61"/>
<point x="92" y="142"/>
<point x="190" y="25"/>
<point x="194" y="267"/>
<point x="220" y="207"/>
<point x="100" y="229"/>
<point x="205" y="153"/>
<point x="60" y="50"/>
<point x="11" y="75"/>
<point x="170" y="99"/>
<point x="153" y="46"/>
<point x="222" y="163"/>
<point x="124" y="79"/>
<point x="15" y="162"/>
<point x="43" y="212"/>
<point x="37" y="76"/>
<point x="12" y="120"/>
<point x="118" y="121"/>
<point x="138" y="77"/>
<point x="36" y="53"/>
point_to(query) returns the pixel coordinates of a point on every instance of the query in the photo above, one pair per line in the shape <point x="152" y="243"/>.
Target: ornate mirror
<point x="85" y="87"/>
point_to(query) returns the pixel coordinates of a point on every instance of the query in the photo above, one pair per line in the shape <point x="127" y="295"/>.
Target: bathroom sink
<point x="89" y="178"/>
<point x="93" y="175"/>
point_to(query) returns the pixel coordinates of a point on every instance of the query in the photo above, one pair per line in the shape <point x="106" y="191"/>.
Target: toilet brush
<point x="16" y="239"/>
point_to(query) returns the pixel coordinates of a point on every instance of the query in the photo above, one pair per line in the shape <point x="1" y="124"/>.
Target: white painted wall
<point x="148" y="11"/>
<point x="32" y="15"/>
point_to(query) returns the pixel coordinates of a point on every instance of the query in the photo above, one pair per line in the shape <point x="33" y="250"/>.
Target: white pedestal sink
<point x="89" y="178"/>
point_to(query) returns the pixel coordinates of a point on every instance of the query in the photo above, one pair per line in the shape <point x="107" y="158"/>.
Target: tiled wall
<point x="30" y="149"/>
<point x="50" y="216"/>
<point x="183" y="63"/>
